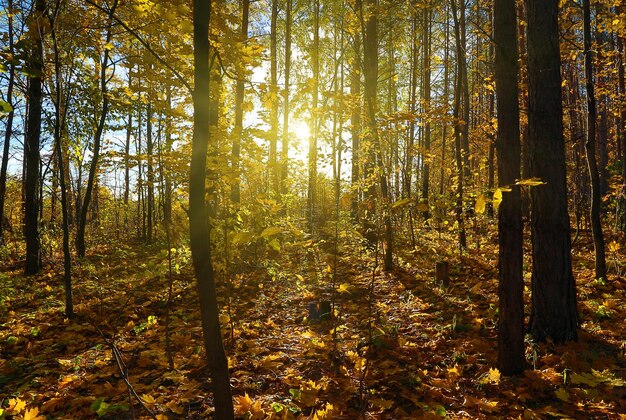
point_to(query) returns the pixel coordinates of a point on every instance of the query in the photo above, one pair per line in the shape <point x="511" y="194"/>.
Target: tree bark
<point x="554" y="314"/>
<point x="511" y="359"/>
<point x="198" y="222"/>
<point x="82" y="221"/>
<point x="314" y="121"/>
<point x="285" y="145"/>
<point x="235" y="194"/>
<point x="9" y="124"/>
<point x="58" y="130"/>
<point x="32" y="143"/>
<point x="590" y="149"/>
<point x="426" y="103"/>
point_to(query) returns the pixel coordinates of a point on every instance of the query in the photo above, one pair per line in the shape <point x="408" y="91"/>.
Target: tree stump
<point x="442" y="273"/>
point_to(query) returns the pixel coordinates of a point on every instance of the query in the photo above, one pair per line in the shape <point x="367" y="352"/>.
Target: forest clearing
<point x="294" y="209"/>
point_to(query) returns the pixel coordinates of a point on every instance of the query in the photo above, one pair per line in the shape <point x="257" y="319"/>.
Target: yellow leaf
<point x="176" y="409"/>
<point x="494" y="375"/>
<point x="16" y="405"/>
<point x="33" y="414"/>
<point x="271" y="231"/>
<point x="343" y="288"/>
<point x="243" y="404"/>
<point x="148" y="400"/>
<point x="401" y="203"/>
<point x="530" y="182"/>
<point x="497" y="198"/>
<point x="481" y="203"/>
<point x="614" y="246"/>
<point x="454" y="371"/>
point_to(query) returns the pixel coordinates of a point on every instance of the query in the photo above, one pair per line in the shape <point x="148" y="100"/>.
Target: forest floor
<point x="432" y="351"/>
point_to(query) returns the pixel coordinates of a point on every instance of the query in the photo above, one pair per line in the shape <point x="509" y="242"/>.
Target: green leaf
<point x="440" y="411"/>
<point x="274" y="244"/>
<point x="277" y="407"/>
<point x="562" y="394"/>
<point x="5" y="107"/>
<point x="100" y="407"/>
<point x="401" y="203"/>
<point x="271" y="231"/>
<point x="243" y="238"/>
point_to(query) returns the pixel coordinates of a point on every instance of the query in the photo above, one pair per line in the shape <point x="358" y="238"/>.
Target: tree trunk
<point x="311" y="193"/>
<point x="58" y="130"/>
<point x="150" y="174"/>
<point x="458" y="129"/>
<point x="426" y="103"/>
<point x="198" y="222"/>
<point x="285" y="145"/>
<point x="590" y="149"/>
<point x="355" y="127"/>
<point x="273" y="168"/>
<point x="235" y="194"/>
<point x="32" y="144"/>
<point x="9" y="124"/>
<point x="554" y="315"/>
<point x="511" y="359"/>
<point x="82" y="221"/>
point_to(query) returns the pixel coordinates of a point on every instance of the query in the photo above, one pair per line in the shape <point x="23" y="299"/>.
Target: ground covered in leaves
<point x="398" y="346"/>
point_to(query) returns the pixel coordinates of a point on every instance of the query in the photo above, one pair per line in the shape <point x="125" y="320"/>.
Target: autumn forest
<point x="312" y="209"/>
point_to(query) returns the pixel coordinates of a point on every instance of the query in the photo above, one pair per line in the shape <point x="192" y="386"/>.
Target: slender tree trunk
<point x="622" y="129"/>
<point x="32" y="144"/>
<point x="198" y="222"/>
<point x="285" y="145"/>
<point x="58" y="130"/>
<point x="355" y="126"/>
<point x="590" y="149"/>
<point x="311" y="192"/>
<point x="129" y="129"/>
<point x="554" y="315"/>
<point x="235" y="194"/>
<point x="82" y="222"/>
<point x="426" y="103"/>
<point x="150" y="174"/>
<point x="458" y="128"/>
<point x="9" y="125"/>
<point x="166" y="174"/>
<point x="446" y="83"/>
<point x="511" y="359"/>
<point x="273" y="167"/>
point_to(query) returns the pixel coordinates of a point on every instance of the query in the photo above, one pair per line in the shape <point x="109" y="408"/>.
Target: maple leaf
<point x="16" y="405"/>
<point x="33" y="414"/>
<point x="148" y="400"/>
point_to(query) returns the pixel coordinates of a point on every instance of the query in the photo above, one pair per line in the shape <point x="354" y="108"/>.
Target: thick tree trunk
<point x="32" y="144"/>
<point x="590" y="149"/>
<point x="511" y="359"/>
<point x="198" y="222"/>
<point x="554" y="314"/>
